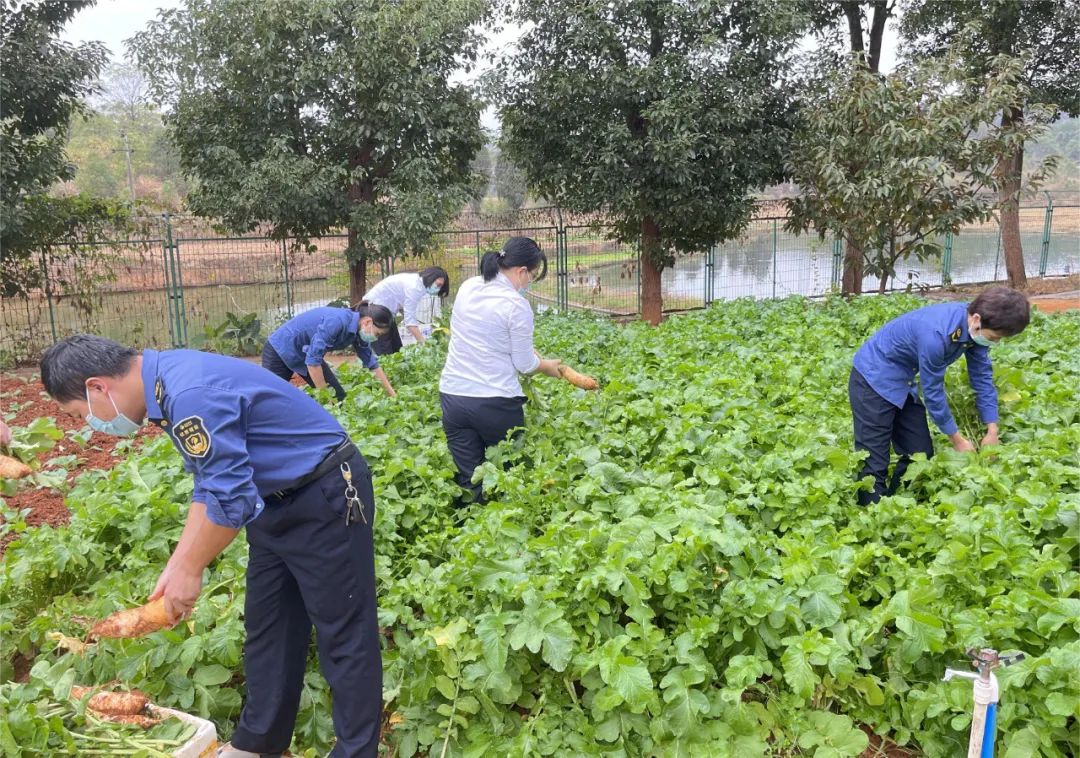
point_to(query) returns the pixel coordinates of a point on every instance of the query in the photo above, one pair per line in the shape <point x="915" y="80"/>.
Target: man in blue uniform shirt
<point x="885" y="402"/>
<point x="267" y="458"/>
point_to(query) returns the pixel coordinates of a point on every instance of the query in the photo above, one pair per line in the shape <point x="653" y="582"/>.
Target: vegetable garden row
<point x="671" y="566"/>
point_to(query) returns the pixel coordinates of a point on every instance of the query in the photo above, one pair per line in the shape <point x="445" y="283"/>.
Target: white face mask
<point x="368" y="338"/>
<point x="977" y="336"/>
<point x="525" y="288"/>
<point x="118" y="426"/>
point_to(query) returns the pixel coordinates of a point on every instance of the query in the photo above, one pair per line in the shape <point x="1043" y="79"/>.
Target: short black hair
<point x="431" y="273"/>
<point x="67" y="365"/>
<point x="1002" y="309"/>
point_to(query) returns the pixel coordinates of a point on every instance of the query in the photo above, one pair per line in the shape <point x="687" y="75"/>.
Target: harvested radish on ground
<point x="78" y="692"/>
<point x="112" y="703"/>
<point x="63" y="642"/>
<point x="582" y="381"/>
<point x="12" y="468"/>
<point x="134" y="622"/>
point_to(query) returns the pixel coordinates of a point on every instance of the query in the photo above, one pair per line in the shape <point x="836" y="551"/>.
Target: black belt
<point x="337" y="456"/>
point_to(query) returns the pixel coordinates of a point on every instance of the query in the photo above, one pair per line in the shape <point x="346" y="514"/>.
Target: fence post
<point x="1045" y="256"/>
<point x="774" y="258"/>
<point x="997" y="253"/>
<point x="638" y="269"/>
<point x="562" y="288"/>
<point x="837" y="262"/>
<point x="166" y="252"/>
<point x="477" y="252"/>
<point x="710" y="269"/>
<point x="46" y="279"/>
<point x="178" y="280"/>
<point x="174" y="286"/>
<point x="288" y="283"/>
<point x="946" y="260"/>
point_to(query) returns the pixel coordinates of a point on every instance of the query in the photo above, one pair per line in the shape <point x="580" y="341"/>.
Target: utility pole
<point x="127" y="157"/>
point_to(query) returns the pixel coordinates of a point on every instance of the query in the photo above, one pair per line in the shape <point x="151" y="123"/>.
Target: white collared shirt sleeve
<point x="491" y="341"/>
<point x="413" y="295"/>
<point x="521" y="338"/>
<point x="393" y="292"/>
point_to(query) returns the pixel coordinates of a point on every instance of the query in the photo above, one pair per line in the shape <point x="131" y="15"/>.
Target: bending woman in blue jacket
<point x="299" y="345"/>
<point x="884" y="395"/>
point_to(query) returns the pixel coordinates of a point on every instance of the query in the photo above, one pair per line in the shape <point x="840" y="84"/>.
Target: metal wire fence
<point x="179" y="280"/>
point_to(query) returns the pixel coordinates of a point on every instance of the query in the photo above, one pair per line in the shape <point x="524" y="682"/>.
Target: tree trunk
<point x="652" y="296"/>
<point x="853" y="269"/>
<point x="877" y="31"/>
<point x="851" y="282"/>
<point x="357" y="275"/>
<point x="357" y="252"/>
<point x="853" y="13"/>
<point x="1011" y="169"/>
<point x="890" y="265"/>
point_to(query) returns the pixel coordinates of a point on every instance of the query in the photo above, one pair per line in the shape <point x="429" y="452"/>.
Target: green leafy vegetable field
<point x="671" y="566"/>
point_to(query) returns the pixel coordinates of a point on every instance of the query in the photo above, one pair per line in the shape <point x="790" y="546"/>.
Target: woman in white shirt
<point x="403" y="293"/>
<point x="491" y="342"/>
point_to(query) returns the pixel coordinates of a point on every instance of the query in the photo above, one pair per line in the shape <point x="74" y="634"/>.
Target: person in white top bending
<point x="402" y="293"/>
<point x="491" y="342"/>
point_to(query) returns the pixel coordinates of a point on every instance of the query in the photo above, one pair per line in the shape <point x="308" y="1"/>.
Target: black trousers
<point x="388" y="343"/>
<point x="472" y="425"/>
<point x="878" y="425"/>
<point x="272" y="362"/>
<point x="305" y="567"/>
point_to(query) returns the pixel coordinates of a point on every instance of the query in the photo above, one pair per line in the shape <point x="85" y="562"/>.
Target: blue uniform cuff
<point x="949" y="428"/>
<point x="231" y="517"/>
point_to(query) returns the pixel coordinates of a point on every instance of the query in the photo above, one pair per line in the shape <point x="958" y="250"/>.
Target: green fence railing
<point x="170" y="286"/>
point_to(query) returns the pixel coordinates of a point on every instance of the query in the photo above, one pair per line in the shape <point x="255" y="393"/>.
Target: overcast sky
<point x="113" y="21"/>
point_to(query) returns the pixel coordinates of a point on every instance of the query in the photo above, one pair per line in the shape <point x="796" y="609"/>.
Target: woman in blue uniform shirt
<point x="885" y="402"/>
<point x="299" y="345"/>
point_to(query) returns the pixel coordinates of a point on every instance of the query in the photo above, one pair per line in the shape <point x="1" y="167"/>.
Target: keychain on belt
<point x="353" y="506"/>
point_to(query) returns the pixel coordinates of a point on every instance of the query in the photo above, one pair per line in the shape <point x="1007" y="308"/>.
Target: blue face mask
<point x="523" y="290"/>
<point x="121" y="426"/>
<point x="433" y="289"/>
<point x="978" y="339"/>
<point x="368" y="338"/>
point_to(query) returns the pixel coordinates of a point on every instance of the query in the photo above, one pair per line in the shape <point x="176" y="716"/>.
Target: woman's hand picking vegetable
<point x="549" y="367"/>
<point x="579" y="380"/>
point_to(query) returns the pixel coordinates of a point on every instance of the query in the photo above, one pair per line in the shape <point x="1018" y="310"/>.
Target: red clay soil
<point x="1049" y="286"/>
<point x="883" y="747"/>
<point x="1056" y="305"/>
<point x="47" y="506"/>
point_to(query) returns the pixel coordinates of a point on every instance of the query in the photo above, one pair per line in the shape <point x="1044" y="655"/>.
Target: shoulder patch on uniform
<point x="192" y="435"/>
<point x="956" y="335"/>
